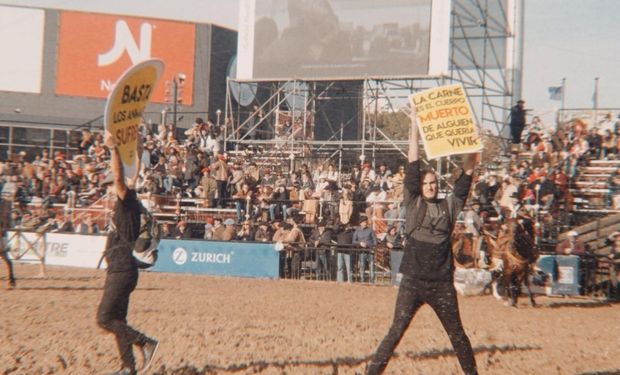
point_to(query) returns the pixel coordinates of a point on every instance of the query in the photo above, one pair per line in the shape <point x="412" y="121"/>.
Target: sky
<point x="573" y="39"/>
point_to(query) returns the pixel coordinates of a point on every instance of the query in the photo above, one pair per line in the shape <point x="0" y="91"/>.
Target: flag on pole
<point x="555" y="92"/>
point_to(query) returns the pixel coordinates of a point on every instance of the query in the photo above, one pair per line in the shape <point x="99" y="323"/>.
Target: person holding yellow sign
<point x="427" y="266"/>
<point x="122" y="270"/>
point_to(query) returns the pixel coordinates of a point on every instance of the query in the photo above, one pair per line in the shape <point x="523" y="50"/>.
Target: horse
<point x="514" y="253"/>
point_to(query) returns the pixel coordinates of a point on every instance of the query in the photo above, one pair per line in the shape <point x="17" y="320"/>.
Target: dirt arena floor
<point x="213" y="325"/>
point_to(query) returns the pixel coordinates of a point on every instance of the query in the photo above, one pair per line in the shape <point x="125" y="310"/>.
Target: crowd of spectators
<point x="312" y="204"/>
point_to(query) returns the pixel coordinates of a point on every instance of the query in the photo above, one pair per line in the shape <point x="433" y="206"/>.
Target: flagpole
<point x="595" y="102"/>
<point x="563" y="95"/>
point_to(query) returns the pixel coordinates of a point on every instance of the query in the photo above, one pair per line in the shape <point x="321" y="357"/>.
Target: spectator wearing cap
<point x="237" y="178"/>
<point x="221" y="173"/>
<point x="321" y="238"/>
<point x="517" y="121"/>
<point x="208" y="188"/>
<point x="365" y="238"/>
<point x="571" y="245"/>
<point x="262" y="234"/>
<point x="293" y="237"/>
<point x="230" y="230"/>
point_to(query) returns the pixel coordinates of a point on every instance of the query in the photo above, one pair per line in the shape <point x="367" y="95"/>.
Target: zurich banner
<point x="246" y="259"/>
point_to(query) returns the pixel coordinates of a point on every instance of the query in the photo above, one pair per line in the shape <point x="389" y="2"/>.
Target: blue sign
<point x="563" y="271"/>
<point x="246" y="259"/>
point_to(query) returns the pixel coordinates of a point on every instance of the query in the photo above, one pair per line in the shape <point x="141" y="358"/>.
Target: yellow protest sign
<point x="445" y="121"/>
<point x="124" y="108"/>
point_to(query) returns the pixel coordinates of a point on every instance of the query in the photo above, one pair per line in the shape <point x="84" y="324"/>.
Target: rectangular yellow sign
<point x="445" y="121"/>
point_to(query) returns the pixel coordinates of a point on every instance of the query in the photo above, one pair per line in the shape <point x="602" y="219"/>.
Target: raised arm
<point x="116" y="166"/>
<point x="414" y="147"/>
<point x="411" y="182"/>
<point x="471" y="160"/>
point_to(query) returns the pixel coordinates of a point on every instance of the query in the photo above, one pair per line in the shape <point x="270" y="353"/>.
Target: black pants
<point x="412" y="295"/>
<point x="515" y="133"/>
<point x="112" y="313"/>
<point x="221" y="189"/>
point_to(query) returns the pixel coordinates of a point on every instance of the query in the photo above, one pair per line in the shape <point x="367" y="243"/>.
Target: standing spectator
<point x="365" y="238"/>
<point x="221" y="171"/>
<point x="208" y="188"/>
<point x="517" y="121"/>
<point x="344" y="239"/>
<point x="321" y="238"/>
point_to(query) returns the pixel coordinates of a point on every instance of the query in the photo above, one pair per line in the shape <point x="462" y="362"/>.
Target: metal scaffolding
<point x="485" y="56"/>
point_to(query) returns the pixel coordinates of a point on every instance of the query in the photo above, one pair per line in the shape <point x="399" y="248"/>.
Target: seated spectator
<point x="182" y="231"/>
<point x="244" y="200"/>
<point x="230" y="230"/>
<point x="165" y="231"/>
<point x="571" y="245"/>
<point x="262" y="234"/>
<point x="246" y="232"/>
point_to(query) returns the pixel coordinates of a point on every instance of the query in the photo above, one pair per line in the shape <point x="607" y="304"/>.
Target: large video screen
<point x="342" y="39"/>
<point x="21" y="38"/>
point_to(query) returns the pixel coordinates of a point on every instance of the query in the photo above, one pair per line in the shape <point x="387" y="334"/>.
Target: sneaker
<point x="148" y="352"/>
<point x="12" y="283"/>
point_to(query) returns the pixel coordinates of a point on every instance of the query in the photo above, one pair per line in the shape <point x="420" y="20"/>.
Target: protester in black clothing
<point x="427" y="266"/>
<point x="517" y="122"/>
<point x="122" y="270"/>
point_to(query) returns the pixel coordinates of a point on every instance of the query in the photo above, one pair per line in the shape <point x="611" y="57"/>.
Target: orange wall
<point x="83" y="37"/>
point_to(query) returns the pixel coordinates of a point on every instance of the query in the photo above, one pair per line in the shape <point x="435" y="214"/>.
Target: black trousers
<point x="221" y="188"/>
<point x="515" y="134"/>
<point x="412" y="295"/>
<point x="112" y="313"/>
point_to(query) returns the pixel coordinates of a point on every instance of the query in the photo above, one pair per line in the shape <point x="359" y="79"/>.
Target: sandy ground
<point x="211" y="325"/>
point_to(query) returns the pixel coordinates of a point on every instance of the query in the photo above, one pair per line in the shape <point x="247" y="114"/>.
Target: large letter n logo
<point x="124" y="41"/>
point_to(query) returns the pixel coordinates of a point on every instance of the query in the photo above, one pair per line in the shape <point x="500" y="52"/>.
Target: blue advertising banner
<point x="563" y="271"/>
<point x="246" y="259"/>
